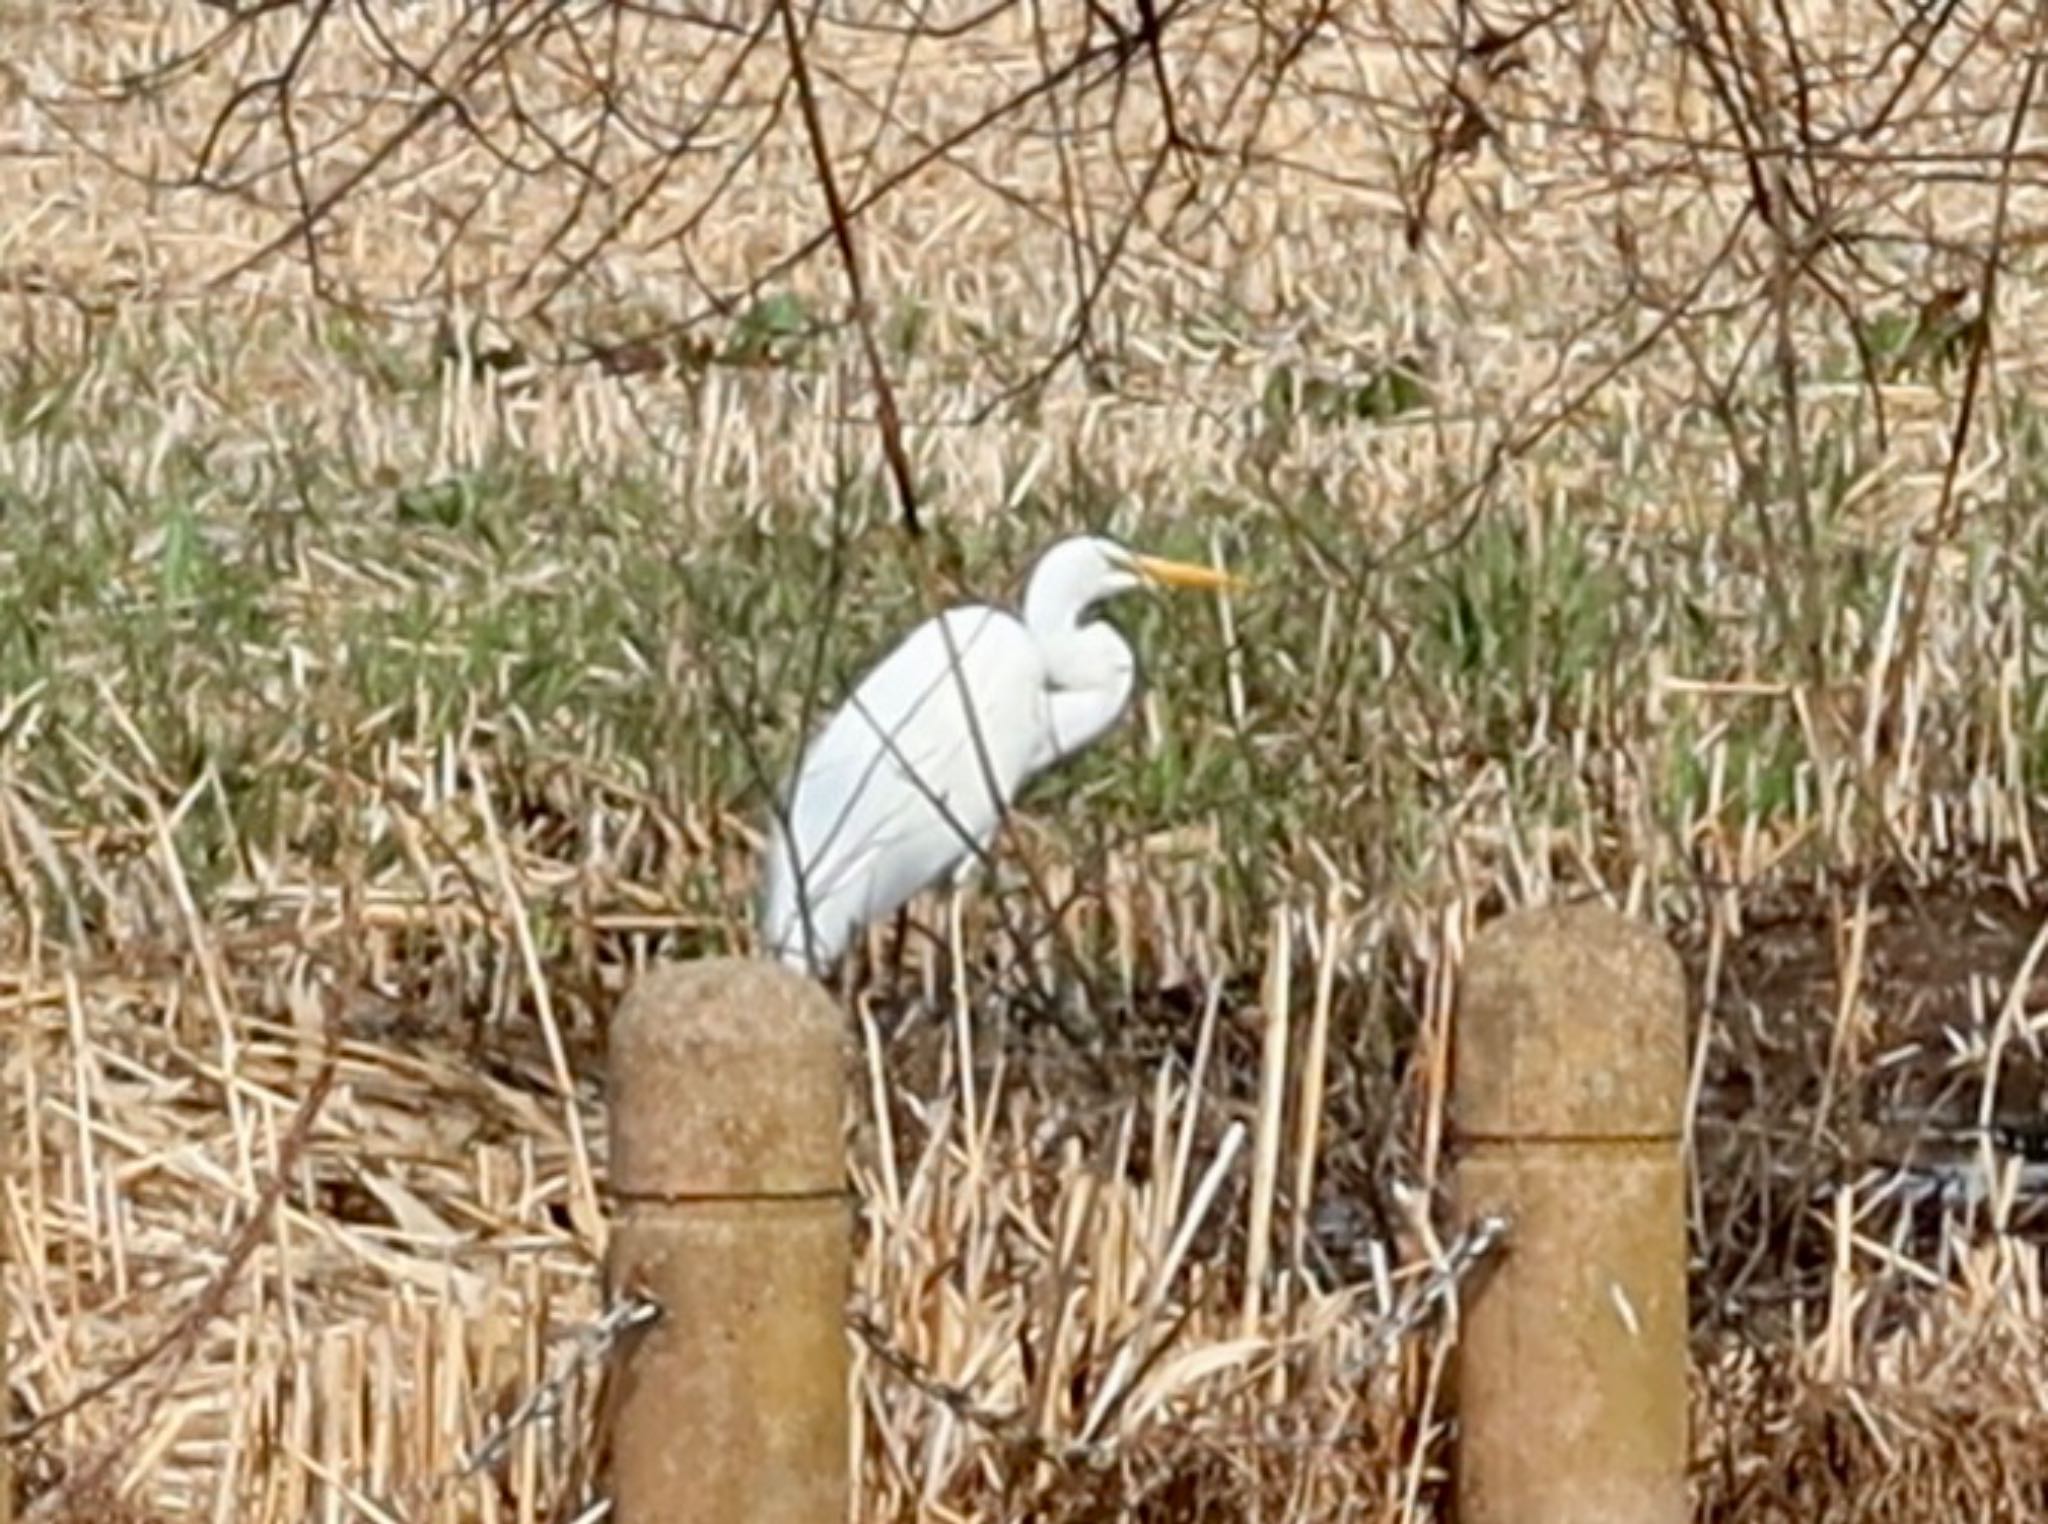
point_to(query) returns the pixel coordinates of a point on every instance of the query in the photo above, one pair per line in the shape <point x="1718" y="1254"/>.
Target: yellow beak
<point x="1183" y="574"/>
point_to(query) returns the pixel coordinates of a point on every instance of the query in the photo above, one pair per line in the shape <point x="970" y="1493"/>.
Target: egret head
<point x="1082" y="571"/>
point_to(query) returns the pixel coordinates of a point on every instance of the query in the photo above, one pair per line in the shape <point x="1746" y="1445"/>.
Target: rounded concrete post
<point x="728" y="1161"/>
<point x="1569" y="1092"/>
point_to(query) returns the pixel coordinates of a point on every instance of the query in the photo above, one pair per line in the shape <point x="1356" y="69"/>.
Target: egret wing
<point x="910" y="775"/>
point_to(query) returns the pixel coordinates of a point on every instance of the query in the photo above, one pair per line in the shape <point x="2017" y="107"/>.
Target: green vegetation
<point x="259" y="620"/>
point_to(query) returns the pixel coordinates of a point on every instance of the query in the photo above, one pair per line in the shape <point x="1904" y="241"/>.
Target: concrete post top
<point x="728" y="1078"/>
<point x="1571" y="1023"/>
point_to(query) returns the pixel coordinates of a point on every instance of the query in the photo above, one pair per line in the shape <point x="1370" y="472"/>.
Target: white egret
<point x="910" y="778"/>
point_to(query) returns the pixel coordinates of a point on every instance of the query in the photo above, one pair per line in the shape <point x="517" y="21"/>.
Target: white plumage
<point x="911" y="777"/>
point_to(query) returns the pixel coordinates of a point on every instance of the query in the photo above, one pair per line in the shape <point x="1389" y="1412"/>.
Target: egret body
<point x="911" y="777"/>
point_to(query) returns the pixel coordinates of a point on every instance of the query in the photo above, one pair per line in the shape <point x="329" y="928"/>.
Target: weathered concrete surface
<point x="1570" y="1065"/>
<point x="728" y="1158"/>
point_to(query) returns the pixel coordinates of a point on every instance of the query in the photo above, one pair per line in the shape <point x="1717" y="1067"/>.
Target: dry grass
<point x="387" y="679"/>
